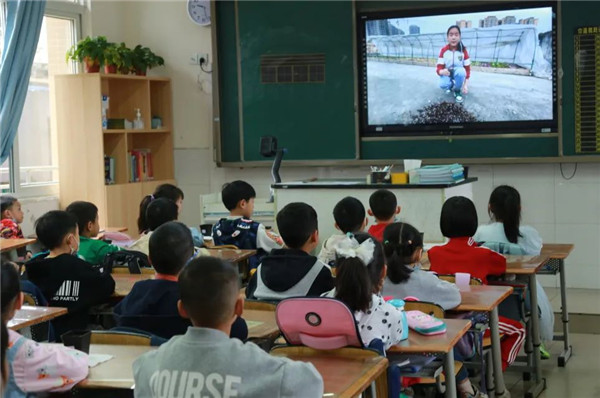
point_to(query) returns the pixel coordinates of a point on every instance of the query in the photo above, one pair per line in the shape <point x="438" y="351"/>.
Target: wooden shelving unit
<point x="82" y="143"/>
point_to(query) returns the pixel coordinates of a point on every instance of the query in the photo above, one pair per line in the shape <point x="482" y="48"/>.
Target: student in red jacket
<point x="454" y="66"/>
<point x="458" y="222"/>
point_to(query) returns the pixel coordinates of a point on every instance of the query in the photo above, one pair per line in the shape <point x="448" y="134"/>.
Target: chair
<point x="324" y="323"/>
<point x="119" y="338"/>
<point x="438" y="377"/>
<point x="452" y="279"/>
<point x="426" y="307"/>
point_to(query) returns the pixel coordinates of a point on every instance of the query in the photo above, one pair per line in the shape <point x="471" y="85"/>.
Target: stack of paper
<point x="443" y="174"/>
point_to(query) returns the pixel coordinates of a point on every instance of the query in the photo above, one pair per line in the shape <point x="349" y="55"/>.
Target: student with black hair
<point x="34" y="367"/>
<point x="292" y="271"/>
<point x="4" y="362"/>
<point x="152" y="304"/>
<point x="360" y="274"/>
<point x="205" y="361"/>
<point x="403" y="248"/>
<point x="65" y="279"/>
<point x="165" y="191"/>
<point x="383" y="205"/>
<point x="454" y="65"/>
<point x="11" y="216"/>
<point x="458" y="222"/>
<point x="91" y="250"/>
<point x="159" y="211"/>
<point x="506" y="235"/>
<point x="238" y="228"/>
<point x="504" y="209"/>
<point x="349" y="216"/>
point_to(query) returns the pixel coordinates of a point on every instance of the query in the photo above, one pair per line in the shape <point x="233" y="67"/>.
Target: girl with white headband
<point x="360" y="273"/>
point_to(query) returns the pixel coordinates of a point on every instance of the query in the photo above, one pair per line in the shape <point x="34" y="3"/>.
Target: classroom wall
<point x="562" y="210"/>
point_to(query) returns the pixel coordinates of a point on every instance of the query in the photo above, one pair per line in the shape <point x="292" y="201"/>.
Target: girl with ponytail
<point x="360" y="273"/>
<point x="167" y="191"/>
<point x="504" y="209"/>
<point x="403" y="248"/>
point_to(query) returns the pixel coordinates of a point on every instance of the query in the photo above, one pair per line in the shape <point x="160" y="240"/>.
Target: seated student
<point x="458" y="222"/>
<point x="384" y="207"/>
<point x="361" y="270"/>
<point x="512" y="238"/>
<point x="292" y="271"/>
<point x="152" y="304"/>
<point x="173" y="193"/>
<point x="238" y="229"/>
<point x="403" y="247"/>
<point x="12" y="216"/>
<point x="205" y="361"/>
<point x="65" y="279"/>
<point x="349" y="215"/>
<point x="35" y="367"/>
<point x="159" y="211"/>
<point x="91" y="250"/>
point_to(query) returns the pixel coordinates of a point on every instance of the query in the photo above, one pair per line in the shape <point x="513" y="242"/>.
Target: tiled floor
<point x="579" y="379"/>
<point x="579" y="301"/>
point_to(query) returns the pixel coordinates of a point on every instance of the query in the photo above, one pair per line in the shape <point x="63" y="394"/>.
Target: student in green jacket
<point x="91" y="250"/>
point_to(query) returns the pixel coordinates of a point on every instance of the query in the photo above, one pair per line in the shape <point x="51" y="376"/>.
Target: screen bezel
<point x="477" y="128"/>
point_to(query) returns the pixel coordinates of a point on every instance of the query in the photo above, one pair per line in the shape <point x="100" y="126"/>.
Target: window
<point x="33" y="165"/>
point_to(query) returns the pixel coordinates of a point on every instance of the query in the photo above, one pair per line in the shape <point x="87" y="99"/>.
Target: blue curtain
<point x="23" y="25"/>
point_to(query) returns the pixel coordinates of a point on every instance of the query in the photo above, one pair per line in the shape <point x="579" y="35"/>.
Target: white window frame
<point x="78" y="13"/>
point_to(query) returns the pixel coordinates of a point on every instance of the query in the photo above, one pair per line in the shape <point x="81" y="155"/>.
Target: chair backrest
<point x="321" y="322"/>
<point x="123" y="270"/>
<point x="250" y="304"/>
<point x="118" y="338"/>
<point x="452" y="279"/>
<point x="426" y="307"/>
<point x="29" y="299"/>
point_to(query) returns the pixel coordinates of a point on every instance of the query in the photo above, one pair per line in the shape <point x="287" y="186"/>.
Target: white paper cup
<point x="462" y="280"/>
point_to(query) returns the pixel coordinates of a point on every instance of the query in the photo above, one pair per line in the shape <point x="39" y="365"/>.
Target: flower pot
<point x="110" y="69"/>
<point x="91" y="65"/>
<point x="124" y="71"/>
<point x="140" y="72"/>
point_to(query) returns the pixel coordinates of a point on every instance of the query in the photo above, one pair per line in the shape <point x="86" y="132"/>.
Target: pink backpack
<point x="322" y="323"/>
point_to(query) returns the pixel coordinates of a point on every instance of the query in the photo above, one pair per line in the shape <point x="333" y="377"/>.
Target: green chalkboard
<point x="317" y="121"/>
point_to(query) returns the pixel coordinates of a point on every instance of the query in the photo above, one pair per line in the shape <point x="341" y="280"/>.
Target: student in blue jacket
<point x="151" y="305"/>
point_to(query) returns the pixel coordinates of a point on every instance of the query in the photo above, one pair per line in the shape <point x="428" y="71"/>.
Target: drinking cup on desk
<point x="462" y="280"/>
<point x="78" y="339"/>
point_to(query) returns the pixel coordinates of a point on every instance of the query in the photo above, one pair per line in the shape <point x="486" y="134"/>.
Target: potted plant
<point x="143" y="58"/>
<point x="117" y="59"/>
<point x="90" y="51"/>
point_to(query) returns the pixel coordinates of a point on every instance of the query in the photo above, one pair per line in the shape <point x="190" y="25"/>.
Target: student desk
<point x="116" y="372"/>
<point x="484" y="298"/>
<point x="261" y="324"/>
<point x="32" y="315"/>
<point x="124" y="282"/>
<point x="558" y="252"/>
<point x="440" y="343"/>
<point x="8" y="245"/>
<point x="530" y="265"/>
<point x="232" y="255"/>
<point x="110" y="229"/>
<point x="346" y="373"/>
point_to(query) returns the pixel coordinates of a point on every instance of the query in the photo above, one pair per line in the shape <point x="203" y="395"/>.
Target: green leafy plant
<point x="143" y="58"/>
<point x="118" y="58"/>
<point x="90" y="51"/>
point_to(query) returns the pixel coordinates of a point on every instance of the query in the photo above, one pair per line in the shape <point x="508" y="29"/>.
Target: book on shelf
<point x="109" y="170"/>
<point x="140" y="165"/>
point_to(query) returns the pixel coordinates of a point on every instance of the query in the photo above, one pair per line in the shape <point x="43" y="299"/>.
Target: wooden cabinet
<point x="83" y="143"/>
